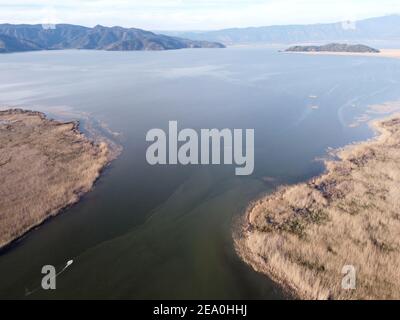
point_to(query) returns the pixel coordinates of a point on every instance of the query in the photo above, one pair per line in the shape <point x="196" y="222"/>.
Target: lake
<point x="166" y="231"/>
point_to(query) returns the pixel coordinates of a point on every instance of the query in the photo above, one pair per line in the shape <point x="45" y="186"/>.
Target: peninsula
<point x="45" y="166"/>
<point x="24" y="37"/>
<point x="303" y="236"/>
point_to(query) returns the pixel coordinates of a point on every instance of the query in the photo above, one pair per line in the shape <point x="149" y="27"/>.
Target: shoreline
<point x="384" y="53"/>
<point x="64" y="166"/>
<point x="279" y="245"/>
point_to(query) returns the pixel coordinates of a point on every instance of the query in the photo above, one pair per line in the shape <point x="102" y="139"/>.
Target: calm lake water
<point x="165" y="231"/>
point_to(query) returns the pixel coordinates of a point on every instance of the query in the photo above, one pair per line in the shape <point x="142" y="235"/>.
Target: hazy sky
<point x="191" y="14"/>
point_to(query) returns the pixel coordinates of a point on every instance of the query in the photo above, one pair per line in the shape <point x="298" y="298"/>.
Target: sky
<point x="192" y="14"/>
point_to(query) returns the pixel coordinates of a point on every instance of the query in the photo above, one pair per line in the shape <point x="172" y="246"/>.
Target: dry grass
<point x="45" y="166"/>
<point x="302" y="235"/>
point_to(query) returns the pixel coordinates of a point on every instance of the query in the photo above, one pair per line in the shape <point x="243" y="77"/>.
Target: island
<point x="45" y="166"/>
<point x="334" y="47"/>
<point x="307" y="237"/>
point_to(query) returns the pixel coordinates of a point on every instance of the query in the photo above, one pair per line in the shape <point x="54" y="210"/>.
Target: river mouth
<point x="166" y="231"/>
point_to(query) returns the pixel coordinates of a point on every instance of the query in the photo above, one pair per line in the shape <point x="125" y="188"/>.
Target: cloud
<point x="191" y="14"/>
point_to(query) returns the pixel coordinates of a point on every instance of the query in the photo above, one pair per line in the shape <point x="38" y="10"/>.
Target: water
<point x="165" y="232"/>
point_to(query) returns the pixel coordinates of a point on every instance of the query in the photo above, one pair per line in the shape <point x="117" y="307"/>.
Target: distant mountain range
<point x="334" y="47"/>
<point x="18" y="38"/>
<point x="382" y="28"/>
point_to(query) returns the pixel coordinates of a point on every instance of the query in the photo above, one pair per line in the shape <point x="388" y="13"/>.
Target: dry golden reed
<point x="302" y="235"/>
<point x="45" y="166"/>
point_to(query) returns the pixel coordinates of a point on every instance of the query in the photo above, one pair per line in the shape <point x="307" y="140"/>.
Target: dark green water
<point x="165" y="232"/>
